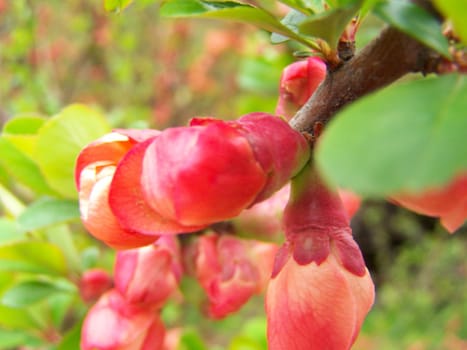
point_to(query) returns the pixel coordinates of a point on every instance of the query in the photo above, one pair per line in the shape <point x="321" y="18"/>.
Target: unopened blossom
<point x="115" y="324"/>
<point x="449" y="202"/>
<point x="95" y="168"/>
<point x="320" y="291"/>
<point x="93" y="283"/>
<point x="107" y="177"/>
<point x="231" y="270"/>
<point x="149" y="275"/>
<point x="298" y="82"/>
<point x="212" y="170"/>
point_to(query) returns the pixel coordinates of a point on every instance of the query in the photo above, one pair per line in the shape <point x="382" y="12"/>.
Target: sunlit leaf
<point x="61" y="139"/>
<point x="22" y="168"/>
<point x="14" y="318"/>
<point x="406" y="137"/>
<point x="456" y="12"/>
<point x="48" y="211"/>
<point x="31" y="256"/>
<point x="415" y="21"/>
<point x="21" y="131"/>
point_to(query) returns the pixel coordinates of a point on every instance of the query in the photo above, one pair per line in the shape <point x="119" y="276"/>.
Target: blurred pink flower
<point x="231" y="270"/>
<point x="93" y="283"/>
<point x="149" y="275"/>
<point x="114" y="324"/>
<point x="449" y="202"/>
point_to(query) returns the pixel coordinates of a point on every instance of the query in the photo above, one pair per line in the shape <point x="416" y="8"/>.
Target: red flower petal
<point x="128" y="203"/>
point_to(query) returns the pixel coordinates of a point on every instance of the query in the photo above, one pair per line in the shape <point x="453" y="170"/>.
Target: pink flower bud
<point x="449" y="203"/>
<point x="95" y="168"/>
<point x="320" y="290"/>
<point x="212" y="170"/>
<point x="231" y="270"/>
<point x="94" y="283"/>
<point x="149" y="275"/>
<point x="114" y="324"/>
<point x="298" y="82"/>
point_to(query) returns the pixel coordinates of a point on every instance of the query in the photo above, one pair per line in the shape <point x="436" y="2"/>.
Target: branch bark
<point x="387" y="58"/>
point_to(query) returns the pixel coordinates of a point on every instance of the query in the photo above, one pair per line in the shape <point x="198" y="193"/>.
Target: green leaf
<point x="48" y="211"/>
<point x="61" y="139"/>
<point x="10" y="339"/>
<point x="329" y="25"/>
<point x="22" y="168"/>
<point x="14" y="318"/>
<point x="30" y="292"/>
<point x="191" y="340"/>
<point x="228" y="10"/>
<point x="116" y="5"/>
<point x="10" y="231"/>
<point x="291" y="21"/>
<point x="414" y="21"/>
<point x="33" y="257"/>
<point x="21" y="132"/>
<point x="455" y="11"/>
<point x="406" y="137"/>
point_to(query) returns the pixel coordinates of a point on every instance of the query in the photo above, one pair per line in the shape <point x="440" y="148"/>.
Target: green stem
<point x="12" y="205"/>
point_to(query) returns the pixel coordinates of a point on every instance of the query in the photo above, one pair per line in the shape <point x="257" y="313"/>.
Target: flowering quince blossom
<point x="231" y="270"/>
<point x="95" y="168"/>
<point x="114" y="324"/>
<point x="298" y="82"/>
<point x="149" y="275"/>
<point x="213" y="169"/>
<point x="320" y="291"/>
<point x="449" y="203"/>
<point x="135" y="185"/>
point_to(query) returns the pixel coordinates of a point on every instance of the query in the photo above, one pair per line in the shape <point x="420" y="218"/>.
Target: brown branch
<point x="387" y="58"/>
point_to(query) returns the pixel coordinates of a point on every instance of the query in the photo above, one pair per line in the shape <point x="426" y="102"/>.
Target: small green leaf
<point x="10" y="231"/>
<point x="455" y="11"/>
<point x="415" y="21"/>
<point x="329" y="25"/>
<point x="291" y="21"/>
<point x="116" y="5"/>
<point x="21" y="132"/>
<point x="229" y="10"/>
<point x="61" y="139"/>
<point x="406" y="137"/>
<point x="22" y="168"/>
<point x="30" y="292"/>
<point x="34" y="257"/>
<point x="48" y="211"/>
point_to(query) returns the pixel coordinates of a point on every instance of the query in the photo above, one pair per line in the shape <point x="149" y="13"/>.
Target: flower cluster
<point x="140" y="188"/>
<point x="128" y="316"/>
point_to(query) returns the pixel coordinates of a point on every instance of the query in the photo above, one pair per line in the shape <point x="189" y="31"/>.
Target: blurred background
<point x="143" y="71"/>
